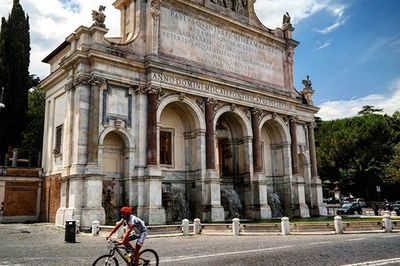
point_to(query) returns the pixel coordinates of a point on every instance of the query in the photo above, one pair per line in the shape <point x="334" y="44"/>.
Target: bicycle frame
<point x="122" y="250"/>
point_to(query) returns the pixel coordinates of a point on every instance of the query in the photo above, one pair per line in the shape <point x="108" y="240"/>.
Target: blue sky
<point x="358" y="58"/>
<point x="350" y="49"/>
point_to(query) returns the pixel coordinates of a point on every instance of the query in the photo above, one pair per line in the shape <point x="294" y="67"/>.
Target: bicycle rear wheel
<point x="107" y="260"/>
<point x="148" y="257"/>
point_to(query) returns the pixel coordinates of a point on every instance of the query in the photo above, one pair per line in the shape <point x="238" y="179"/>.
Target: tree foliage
<point x="33" y="134"/>
<point x="355" y="151"/>
<point x="369" y="109"/>
<point x="14" y="61"/>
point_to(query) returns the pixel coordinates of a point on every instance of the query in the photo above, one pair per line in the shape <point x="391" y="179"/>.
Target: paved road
<point x="43" y="244"/>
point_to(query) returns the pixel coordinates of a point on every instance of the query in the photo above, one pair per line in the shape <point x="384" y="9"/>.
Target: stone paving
<point x="43" y="244"/>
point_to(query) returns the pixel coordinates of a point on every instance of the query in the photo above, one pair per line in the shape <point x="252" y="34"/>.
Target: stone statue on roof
<point x="307" y="82"/>
<point x="286" y="19"/>
<point x="99" y="17"/>
<point x="234" y="5"/>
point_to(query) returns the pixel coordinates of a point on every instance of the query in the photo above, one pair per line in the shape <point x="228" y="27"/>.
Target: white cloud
<point x="341" y="109"/>
<point x="51" y="21"/>
<point x="270" y="12"/>
<point x="324" y="45"/>
<point x="338" y="12"/>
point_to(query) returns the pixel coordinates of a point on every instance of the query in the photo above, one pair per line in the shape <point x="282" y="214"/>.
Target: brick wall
<point x="51" y="197"/>
<point x="20" y="198"/>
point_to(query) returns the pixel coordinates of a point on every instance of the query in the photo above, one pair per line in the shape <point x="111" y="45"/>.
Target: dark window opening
<point x="166" y="147"/>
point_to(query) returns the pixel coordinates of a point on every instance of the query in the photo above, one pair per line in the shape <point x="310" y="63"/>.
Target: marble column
<point x="153" y="211"/>
<point x="94" y="118"/>
<point x="67" y="134"/>
<point x="210" y="138"/>
<point x="137" y="192"/>
<point x="152" y="127"/>
<point x="313" y="157"/>
<point x="317" y="205"/>
<point x="293" y="136"/>
<point x="212" y="209"/>
<point x="261" y="209"/>
<point x="298" y="195"/>
<point x="255" y="117"/>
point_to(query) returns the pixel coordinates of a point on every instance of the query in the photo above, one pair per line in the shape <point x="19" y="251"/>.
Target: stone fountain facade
<point x="195" y="96"/>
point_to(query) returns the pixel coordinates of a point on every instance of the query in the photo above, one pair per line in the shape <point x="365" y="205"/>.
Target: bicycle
<point x="146" y="257"/>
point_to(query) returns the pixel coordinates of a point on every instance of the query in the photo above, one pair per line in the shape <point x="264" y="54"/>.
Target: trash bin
<point x="70" y="231"/>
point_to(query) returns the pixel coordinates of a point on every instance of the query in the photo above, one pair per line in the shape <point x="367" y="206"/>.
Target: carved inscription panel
<point x="202" y="42"/>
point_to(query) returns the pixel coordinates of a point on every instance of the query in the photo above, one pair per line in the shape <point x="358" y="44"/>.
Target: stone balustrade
<point x="236" y="228"/>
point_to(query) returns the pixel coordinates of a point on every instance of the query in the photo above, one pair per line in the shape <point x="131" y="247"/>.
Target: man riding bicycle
<point x="136" y="231"/>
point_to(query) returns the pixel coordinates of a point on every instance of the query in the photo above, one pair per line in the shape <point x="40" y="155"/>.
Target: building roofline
<point x="56" y="51"/>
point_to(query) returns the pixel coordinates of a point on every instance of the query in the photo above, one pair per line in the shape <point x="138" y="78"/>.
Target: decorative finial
<point x="99" y="17"/>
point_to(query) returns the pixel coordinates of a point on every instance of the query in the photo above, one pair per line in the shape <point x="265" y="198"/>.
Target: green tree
<point x="354" y="151"/>
<point x="392" y="169"/>
<point x="369" y="109"/>
<point x="33" y="134"/>
<point x="15" y="51"/>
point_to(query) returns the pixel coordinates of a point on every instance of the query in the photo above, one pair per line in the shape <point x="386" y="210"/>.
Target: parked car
<point x="349" y="208"/>
<point x="361" y="201"/>
<point x="396" y="207"/>
<point x="332" y="200"/>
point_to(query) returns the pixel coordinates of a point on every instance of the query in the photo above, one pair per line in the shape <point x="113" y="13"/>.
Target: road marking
<point x="356" y="239"/>
<point x="390" y="236"/>
<point x="223" y="254"/>
<point x="319" y="243"/>
<point x="376" y="262"/>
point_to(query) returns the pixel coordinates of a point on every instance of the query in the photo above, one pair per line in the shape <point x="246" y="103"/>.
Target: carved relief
<point x="200" y="103"/>
<point x="141" y="89"/>
<point x="84" y="79"/>
<point x="108" y="201"/>
<point x="234" y="5"/>
<point x="155" y="8"/>
<point x="155" y="13"/>
<point x="118" y="123"/>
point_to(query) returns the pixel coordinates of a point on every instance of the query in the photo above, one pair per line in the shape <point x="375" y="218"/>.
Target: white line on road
<point x="356" y="239"/>
<point x="224" y="254"/>
<point x="319" y="243"/>
<point x="390" y="236"/>
<point x="376" y="262"/>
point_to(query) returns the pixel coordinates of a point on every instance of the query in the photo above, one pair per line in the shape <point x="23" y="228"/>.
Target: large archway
<point x="275" y="158"/>
<point x="113" y="165"/>
<point x="233" y="165"/>
<point x="180" y="140"/>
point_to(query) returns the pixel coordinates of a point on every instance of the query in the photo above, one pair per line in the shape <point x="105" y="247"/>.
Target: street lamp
<point x="1" y="99"/>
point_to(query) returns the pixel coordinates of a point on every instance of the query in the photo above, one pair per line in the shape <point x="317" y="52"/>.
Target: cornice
<point x="54" y="78"/>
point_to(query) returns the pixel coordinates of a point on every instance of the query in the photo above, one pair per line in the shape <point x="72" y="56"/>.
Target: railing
<point x="21" y="158"/>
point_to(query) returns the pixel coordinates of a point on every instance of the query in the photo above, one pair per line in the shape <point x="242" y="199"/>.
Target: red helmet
<point x="126" y="210"/>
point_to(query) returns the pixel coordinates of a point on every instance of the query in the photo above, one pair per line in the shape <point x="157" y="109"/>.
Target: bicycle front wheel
<point x="107" y="260"/>
<point x="148" y="257"/>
